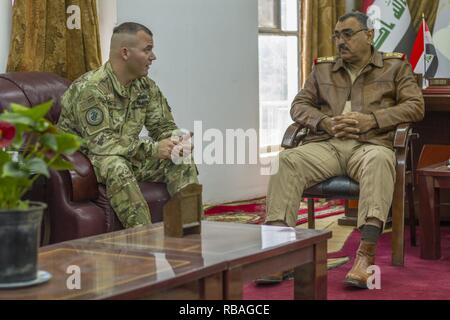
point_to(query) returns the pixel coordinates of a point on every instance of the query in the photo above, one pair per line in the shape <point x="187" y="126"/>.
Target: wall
<point x="208" y="68"/>
<point x="5" y="32"/>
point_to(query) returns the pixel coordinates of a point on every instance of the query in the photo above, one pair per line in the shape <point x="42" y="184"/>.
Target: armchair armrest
<point x="402" y="135"/>
<point x="69" y="219"/>
<point x="403" y="148"/>
<point x="83" y="179"/>
<point x="294" y="135"/>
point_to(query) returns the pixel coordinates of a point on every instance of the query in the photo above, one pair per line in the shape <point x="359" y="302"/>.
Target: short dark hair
<point x="362" y="18"/>
<point x="132" y="28"/>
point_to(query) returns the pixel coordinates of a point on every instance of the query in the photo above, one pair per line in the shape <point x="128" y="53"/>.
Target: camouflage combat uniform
<point x="110" y="117"/>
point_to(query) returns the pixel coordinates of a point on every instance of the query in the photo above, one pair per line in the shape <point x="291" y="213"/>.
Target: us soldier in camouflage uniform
<point x="108" y="108"/>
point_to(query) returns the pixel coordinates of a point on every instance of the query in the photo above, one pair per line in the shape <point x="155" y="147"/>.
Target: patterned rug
<point x="254" y="211"/>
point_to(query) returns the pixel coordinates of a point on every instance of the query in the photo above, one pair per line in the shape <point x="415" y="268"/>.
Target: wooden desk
<point x="434" y="129"/>
<point x="249" y="250"/>
<point x="431" y="180"/>
<point x="141" y="263"/>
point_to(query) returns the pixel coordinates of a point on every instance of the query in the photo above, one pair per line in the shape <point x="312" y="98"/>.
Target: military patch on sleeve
<point x="394" y="55"/>
<point x="94" y="116"/>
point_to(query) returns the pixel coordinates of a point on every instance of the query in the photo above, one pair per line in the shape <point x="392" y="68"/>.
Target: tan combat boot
<point x="365" y="257"/>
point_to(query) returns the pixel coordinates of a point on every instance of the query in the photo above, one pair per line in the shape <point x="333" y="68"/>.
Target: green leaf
<point x="19" y="139"/>
<point x="13" y="182"/>
<point x="42" y="125"/>
<point x="16" y="119"/>
<point x="35" y="113"/>
<point x="4" y="158"/>
<point x="18" y="108"/>
<point x="10" y="190"/>
<point x="60" y="164"/>
<point x="49" y="141"/>
<point x="37" y="166"/>
<point x="23" y="204"/>
<point x="14" y="170"/>
<point x="68" y="143"/>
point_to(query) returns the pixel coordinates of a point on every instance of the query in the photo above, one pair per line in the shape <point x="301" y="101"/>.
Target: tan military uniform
<point x="110" y="117"/>
<point x="385" y="88"/>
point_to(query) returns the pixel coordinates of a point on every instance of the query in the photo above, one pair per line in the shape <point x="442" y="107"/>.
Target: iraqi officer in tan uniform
<point x="351" y="105"/>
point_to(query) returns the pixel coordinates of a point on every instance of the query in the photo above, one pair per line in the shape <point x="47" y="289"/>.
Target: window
<point x="278" y="68"/>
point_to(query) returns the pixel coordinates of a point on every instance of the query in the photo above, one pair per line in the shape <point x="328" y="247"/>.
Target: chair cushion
<point x="341" y="187"/>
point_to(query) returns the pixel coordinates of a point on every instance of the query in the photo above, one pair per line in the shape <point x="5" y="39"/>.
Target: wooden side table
<point x="431" y="179"/>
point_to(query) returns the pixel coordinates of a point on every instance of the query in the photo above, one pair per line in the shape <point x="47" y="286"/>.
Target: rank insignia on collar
<point x="394" y="55"/>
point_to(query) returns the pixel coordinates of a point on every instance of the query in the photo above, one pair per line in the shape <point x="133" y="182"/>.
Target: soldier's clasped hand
<point x="165" y="148"/>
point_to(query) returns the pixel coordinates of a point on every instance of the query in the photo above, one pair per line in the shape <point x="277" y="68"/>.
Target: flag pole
<point x="425" y="82"/>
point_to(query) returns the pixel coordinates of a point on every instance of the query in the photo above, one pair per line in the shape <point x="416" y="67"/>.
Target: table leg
<point x="430" y="238"/>
<point x="211" y="288"/>
<point x="233" y="284"/>
<point x="310" y="280"/>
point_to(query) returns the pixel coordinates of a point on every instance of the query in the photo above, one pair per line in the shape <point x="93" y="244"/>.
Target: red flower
<point x="7" y="134"/>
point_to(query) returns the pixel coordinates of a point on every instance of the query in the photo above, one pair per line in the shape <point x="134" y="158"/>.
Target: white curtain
<point x="5" y="32"/>
<point x="107" y="20"/>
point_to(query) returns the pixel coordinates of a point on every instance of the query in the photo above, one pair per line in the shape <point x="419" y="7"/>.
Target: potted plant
<point x="29" y="146"/>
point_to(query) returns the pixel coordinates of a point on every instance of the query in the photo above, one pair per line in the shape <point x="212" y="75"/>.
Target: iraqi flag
<point x="391" y="19"/>
<point x="424" y="59"/>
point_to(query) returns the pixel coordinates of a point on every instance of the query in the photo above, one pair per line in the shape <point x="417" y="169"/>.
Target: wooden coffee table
<point x="273" y="249"/>
<point x="143" y="263"/>
<point x="250" y="251"/>
<point x="431" y="179"/>
<point x="122" y="273"/>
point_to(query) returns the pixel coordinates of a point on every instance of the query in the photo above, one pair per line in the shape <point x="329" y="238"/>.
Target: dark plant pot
<point x="19" y="242"/>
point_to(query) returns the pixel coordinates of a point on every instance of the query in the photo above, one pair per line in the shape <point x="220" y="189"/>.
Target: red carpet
<point x="417" y="280"/>
<point x="255" y="211"/>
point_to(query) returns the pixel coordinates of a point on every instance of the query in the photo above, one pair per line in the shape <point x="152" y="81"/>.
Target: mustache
<point x="343" y="47"/>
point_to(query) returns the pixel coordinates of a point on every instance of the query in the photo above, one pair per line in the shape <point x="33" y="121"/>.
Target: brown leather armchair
<point x="343" y="187"/>
<point x="77" y="204"/>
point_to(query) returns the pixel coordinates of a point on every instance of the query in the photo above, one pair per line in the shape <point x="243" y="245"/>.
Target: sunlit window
<point x="278" y="68"/>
